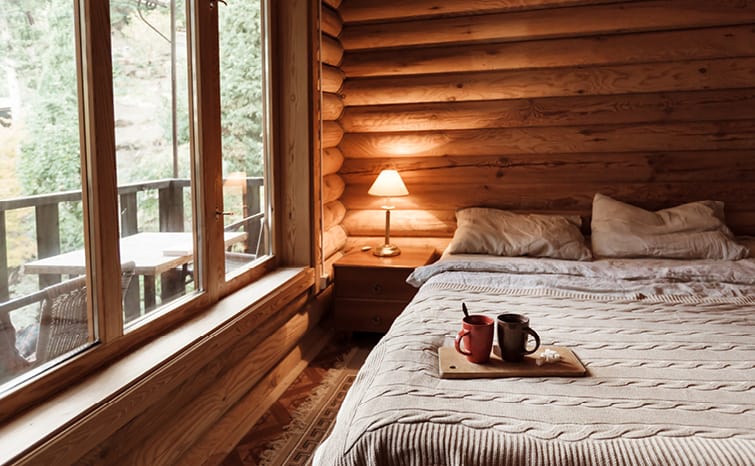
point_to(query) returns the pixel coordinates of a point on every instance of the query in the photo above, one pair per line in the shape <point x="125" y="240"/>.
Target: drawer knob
<point x="377" y="320"/>
<point x="377" y="288"/>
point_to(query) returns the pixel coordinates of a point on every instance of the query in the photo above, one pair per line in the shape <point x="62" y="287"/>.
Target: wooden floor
<point x="269" y="442"/>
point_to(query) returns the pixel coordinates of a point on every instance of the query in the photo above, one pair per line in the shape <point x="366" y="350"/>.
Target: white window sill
<point x="123" y="385"/>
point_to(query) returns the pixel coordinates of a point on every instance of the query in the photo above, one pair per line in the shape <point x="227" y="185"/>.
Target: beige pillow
<point x="483" y="230"/>
<point x="689" y="231"/>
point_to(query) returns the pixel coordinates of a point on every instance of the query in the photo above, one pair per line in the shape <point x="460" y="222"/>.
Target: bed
<point x="669" y="346"/>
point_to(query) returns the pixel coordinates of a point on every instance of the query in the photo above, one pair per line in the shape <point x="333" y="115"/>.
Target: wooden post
<point x="129" y="220"/>
<point x="252" y="228"/>
<point x="4" y="288"/>
<point x="170" y="200"/>
<point x="48" y="238"/>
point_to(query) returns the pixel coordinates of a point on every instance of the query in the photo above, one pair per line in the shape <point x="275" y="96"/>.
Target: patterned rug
<point x="290" y="431"/>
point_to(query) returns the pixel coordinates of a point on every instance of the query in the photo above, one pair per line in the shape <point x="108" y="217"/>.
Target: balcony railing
<point x="170" y="196"/>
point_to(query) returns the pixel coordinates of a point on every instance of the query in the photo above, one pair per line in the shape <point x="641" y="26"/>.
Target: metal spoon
<point x="464" y="308"/>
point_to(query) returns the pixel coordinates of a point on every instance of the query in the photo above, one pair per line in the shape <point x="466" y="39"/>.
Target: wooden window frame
<point x="100" y="199"/>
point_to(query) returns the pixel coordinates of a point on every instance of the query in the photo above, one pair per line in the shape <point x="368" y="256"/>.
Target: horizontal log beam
<point x="622" y="167"/>
<point x="332" y="188"/>
<point x="724" y="42"/>
<point x="384" y="10"/>
<point x="332" y="214"/>
<point x="332" y="160"/>
<point x="572" y="197"/>
<point x="554" y="82"/>
<point x="724" y="135"/>
<point x="333" y="240"/>
<point x="332" y="134"/>
<point x="332" y="106"/>
<point x="553" y="111"/>
<point x="331" y="79"/>
<point x="331" y="22"/>
<point x="403" y="222"/>
<point x="331" y="50"/>
<point x="332" y="3"/>
<point x="550" y="23"/>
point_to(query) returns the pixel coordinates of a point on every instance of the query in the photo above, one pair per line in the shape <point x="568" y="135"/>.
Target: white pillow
<point x="483" y="230"/>
<point x="689" y="231"/>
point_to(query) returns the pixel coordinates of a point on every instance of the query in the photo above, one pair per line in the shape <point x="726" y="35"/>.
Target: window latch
<point x="220" y="213"/>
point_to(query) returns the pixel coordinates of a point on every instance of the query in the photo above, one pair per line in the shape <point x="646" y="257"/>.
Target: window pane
<point x="152" y="147"/>
<point x="43" y="303"/>
<point x="242" y="100"/>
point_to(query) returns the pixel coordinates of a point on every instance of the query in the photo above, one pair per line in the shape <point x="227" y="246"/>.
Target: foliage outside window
<point x="40" y="163"/>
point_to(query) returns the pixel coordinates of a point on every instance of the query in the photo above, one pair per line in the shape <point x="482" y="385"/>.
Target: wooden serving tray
<point x="454" y="365"/>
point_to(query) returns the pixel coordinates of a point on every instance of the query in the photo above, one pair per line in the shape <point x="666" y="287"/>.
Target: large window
<point x="109" y="226"/>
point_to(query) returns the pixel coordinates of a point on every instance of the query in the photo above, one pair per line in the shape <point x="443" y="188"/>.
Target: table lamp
<point x="388" y="184"/>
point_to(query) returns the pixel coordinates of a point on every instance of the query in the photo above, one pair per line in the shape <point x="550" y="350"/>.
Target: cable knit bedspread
<point x="671" y="371"/>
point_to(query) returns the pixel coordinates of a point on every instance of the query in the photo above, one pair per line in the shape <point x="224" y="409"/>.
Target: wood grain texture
<point x="720" y="135"/>
<point x="554" y="197"/>
<point x="331" y="51"/>
<point x="293" y="97"/>
<point x="332" y="3"/>
<point x="331" y="79"/>
<point x="333" y="240"/>
<point x="219" y="441"/>
<point x="332" y="188"/>
<point x="332" y="106"/>
<point x="328" y="265"/>
<point x="384" y="10"/>
<point x="332" y="133"/>
<point x="553" y="23"/>
<point x="725" y="73"/>
<point x="621" y="167"/>
<point x="332" y="160"/>
<point x="332" y="214"/>
<point x="527" y="105"/>
<point x="648" y="47"/>
<point x="98" y="426"/>
<point x="183" y="427"/>
<point x="356" y="242"/>
<point x="330" y="22"/>
<point x="554" y="111"/>
<point x="403" y="222"/>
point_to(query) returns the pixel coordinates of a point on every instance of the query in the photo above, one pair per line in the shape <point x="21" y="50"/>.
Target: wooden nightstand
<point x="371" y="291"/>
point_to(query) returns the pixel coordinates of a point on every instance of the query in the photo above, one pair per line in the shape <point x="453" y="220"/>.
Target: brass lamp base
<point x="386" y="250"/>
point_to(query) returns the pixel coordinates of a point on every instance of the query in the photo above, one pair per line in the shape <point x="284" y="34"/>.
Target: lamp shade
<point x="388" y="184"/>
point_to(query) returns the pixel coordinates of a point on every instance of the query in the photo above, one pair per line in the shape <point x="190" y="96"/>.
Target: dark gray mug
<point x="513" y="330"/>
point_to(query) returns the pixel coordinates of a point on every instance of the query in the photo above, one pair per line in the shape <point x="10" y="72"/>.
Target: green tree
<point x="241" y="71"/>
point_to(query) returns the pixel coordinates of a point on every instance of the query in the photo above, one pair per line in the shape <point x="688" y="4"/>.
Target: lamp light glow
<point x="388" y="184"/>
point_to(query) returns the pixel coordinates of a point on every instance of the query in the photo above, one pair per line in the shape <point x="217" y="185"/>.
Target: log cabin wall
<point x="536" y="105"/>
<point x="333" y="210"/>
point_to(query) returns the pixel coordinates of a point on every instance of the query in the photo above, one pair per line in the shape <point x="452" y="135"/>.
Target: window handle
<point x="220" y="213"/>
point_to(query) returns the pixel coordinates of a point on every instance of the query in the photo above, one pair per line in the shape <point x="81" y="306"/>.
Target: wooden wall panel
<point x="331" y="54"/>
<point x="552" y="23"/>
<point x="536" y="105"/>
<point x="692" y="75"/>
<point x="387" y="10"/>
<point x="591" y="50"/>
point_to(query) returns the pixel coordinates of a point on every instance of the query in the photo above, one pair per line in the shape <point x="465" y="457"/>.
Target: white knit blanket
<point x="671" y="382"/>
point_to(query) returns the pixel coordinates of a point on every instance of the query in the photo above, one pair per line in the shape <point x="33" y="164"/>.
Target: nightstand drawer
<point x="366" y="316"/>
<point x="363" y="282"/>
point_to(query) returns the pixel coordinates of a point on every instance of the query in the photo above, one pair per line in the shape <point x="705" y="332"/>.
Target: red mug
<point x="475" y="339"/>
